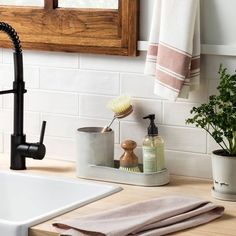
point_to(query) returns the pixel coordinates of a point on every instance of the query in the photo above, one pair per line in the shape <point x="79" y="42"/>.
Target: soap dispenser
<point x="153" y="148"/>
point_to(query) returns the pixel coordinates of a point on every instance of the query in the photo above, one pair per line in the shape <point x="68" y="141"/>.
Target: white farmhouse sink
<point x="28" y="199"/>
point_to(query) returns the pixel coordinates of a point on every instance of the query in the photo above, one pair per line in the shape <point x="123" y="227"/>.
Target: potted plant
<point x="218" y="118"/>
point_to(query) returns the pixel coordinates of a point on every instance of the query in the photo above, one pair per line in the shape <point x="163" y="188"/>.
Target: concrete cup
<point x="93" y="147"/>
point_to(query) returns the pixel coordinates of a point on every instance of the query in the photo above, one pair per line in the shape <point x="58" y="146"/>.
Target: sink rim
<point x="60" y="210"/>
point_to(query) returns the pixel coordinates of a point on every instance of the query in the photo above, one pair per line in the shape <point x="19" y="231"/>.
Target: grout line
<point x="163" y="112"/>
<point x="57" y="114"/>
<point x="51" y="91"/>
<point x="112" y="71"/>
<point x="1" y="56"/>
<point x="120" y="84"/>
<point x="72" y="92"/>
<point x="78" y="105"/>
<point x="164" y="125"/>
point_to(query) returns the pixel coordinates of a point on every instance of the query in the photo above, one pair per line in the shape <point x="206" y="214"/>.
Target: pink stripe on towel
<point x="195" y="63"/>
<point x="173" y="60"/>
<point x="159" y="216"/>
<point x="152" y="50"/>
<point x="169" y="80"/>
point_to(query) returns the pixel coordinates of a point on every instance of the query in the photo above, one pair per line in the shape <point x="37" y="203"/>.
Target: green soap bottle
<point x="153" y="148"/>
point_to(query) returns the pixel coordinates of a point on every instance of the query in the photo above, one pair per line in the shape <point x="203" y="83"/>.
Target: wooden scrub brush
<point x="129" y="161"/>
<point x="121" y="107"/>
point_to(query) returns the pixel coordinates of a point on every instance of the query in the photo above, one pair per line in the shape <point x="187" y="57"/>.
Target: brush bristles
<point x="130" y="169"/>
<point x="120" y="105"/>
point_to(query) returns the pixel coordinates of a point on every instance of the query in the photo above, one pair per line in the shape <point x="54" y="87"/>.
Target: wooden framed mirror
<point x="91" y="30"/>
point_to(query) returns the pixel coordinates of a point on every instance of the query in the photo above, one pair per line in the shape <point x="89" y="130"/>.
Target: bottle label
<point x="149" y="159"/>
<point x="160" y="157"/>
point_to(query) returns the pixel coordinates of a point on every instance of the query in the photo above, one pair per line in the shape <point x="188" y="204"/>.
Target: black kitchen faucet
<point x="20" y="149"/>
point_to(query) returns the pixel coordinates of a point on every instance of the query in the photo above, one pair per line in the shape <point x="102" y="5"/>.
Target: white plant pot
<point x="224" y="176"/>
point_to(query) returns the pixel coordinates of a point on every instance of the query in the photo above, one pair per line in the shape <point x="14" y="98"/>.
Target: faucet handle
<point x="42" y="132"/>
<point x="34" y="150"/>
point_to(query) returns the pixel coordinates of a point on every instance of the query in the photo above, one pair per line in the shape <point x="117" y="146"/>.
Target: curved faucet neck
<point x="12" y="34"/>
<point x="18" y="84"/>
<point x="18" y="60"/>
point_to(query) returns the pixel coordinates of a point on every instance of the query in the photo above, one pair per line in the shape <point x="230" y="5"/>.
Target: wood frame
<point x="51" y="28"/>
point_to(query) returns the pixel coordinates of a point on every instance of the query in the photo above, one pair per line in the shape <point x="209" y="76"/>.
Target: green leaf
<point x="218" y="116"/>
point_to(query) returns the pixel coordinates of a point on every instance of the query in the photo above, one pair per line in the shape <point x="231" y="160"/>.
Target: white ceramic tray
<point x="120" y="176"/>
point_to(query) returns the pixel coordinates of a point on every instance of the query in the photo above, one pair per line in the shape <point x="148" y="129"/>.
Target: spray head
<point x="152" y="129"/>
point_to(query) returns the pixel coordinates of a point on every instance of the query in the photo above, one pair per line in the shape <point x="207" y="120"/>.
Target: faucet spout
<point x="19" y="148"/>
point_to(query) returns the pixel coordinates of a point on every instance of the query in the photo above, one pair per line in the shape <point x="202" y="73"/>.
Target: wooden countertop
<point x="179" y="185"/>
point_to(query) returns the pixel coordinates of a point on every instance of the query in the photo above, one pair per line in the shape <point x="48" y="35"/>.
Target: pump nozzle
<point x="152" y="129"/>
<point x="151" y="117"/>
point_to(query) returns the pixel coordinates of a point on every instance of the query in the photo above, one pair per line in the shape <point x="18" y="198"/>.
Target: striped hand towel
<point x="173" y="55"/>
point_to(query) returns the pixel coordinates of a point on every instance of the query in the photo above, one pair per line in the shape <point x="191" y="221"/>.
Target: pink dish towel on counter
<point x="154" y="217"/>
<point x="173" y="56"/>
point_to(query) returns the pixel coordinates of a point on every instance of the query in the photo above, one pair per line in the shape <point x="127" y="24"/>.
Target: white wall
<point x="71" y="90"/>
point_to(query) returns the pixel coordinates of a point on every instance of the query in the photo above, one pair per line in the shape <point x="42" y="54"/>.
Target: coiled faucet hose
<point x="11" y="32"/>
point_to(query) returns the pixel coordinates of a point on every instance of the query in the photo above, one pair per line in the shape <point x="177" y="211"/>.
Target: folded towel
<point x="173" y="55"/>
<point x="159" y="216"/>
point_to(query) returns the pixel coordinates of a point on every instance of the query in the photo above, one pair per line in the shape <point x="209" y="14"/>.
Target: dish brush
<point x="129" y="161"/>
<point x="121" y="107"/>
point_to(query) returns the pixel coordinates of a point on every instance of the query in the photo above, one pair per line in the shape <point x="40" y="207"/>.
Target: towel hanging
<point x="173" y="55"/>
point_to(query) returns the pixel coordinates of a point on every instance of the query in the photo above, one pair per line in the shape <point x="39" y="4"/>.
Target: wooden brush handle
<point x="128" y="159"/>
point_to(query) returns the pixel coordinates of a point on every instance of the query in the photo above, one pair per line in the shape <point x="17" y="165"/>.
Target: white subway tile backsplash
<point x="176" y="138"/>
<point x="31" y="76"/>
<point x="1" y="55"/>
<point x="60" y="125"/>
<point x="62" y="79"/>
<point x="31" y="122"/>
<point x="113" y="63"/>
<point x="210" y="65"/>
<point x="60" y="148"/>
<point x="177" y="113"/>
<point x="1" y="142"/>
<point x="37" y="58"/>
<point x="191" y="164"/>
<point x="137" y="85"/>
<point x="6" y="74"/>
<point x="73" y="80"/>
<point x="45" y="101"/>
<point x="118" y="152"/>
<point x="6" y="142"/>
<point x="184" y="139"/>
<point x="133" y="131"/>
<point x="144" y="107"/>
<point x="95" y="106"/>
<point x="99" y="82"/>
<point x="1" y="98"/>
